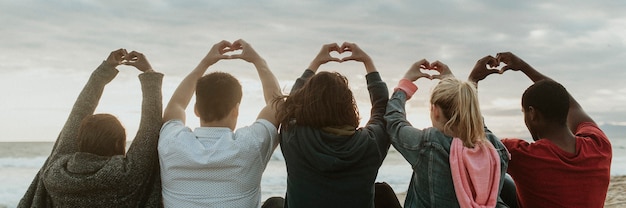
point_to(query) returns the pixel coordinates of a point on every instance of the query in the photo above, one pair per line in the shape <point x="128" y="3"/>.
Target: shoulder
<point x="515" y="144"/>
<point x="258" y="125"/>
<point x="590" y="129"/>
<point x="261" y="128"/>
<point x="172" y="129"/>
<point x="173" y="126"/>
<point x="590" y="133"/>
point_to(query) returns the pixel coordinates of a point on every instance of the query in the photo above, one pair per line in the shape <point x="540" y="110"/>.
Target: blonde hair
<point x="458" y="101"/>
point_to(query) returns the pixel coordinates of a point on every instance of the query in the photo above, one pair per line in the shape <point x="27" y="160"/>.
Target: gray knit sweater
<point x="77" y="179"/>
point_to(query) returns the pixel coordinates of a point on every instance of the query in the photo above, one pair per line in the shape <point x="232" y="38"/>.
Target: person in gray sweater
<point x="89" y="165"/>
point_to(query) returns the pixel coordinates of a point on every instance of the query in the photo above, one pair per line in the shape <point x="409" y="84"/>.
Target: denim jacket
<point x="428" y="152"/>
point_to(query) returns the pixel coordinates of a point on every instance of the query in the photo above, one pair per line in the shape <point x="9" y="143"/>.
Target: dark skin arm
<point x="576" y="114"/>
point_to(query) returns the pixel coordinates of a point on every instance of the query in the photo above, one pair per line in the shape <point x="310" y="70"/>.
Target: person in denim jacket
<point x="456" y="163"/>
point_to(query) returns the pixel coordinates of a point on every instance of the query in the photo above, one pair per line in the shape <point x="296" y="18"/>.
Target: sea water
<point x="20" y="161"/>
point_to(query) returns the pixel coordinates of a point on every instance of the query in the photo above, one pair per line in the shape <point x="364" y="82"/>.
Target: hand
<point x="217" y="52"/>
<point x="138" y="60"/>
<point x="116" y="57"/>
<point x="324" y="56"/>
<point x="357" y="54"/>
<point x="512" y="62"/>
<point x="481" y="71"/>
<point x="415" y="72"/>
<point x="443" y="70"/>
<point x="247" y="52"/>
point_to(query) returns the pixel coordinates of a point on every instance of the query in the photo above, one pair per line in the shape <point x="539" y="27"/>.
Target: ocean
<point x="20" y="161"/>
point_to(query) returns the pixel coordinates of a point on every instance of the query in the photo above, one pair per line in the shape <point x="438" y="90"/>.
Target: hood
<point x="330" y="148"/>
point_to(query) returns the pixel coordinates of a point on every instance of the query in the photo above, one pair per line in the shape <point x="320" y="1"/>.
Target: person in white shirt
<point x="216" y="165"/>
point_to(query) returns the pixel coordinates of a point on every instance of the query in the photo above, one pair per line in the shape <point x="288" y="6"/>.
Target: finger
<point x="420" y="75"/>
<point x="505" y="68"/>
<point x="238" y="44"/>
<point x="346" y="46"/>
<point x="492" y="61"/>
<point x="223" y="46"/>
<point x="422" y="64"/>
<point x="133" y="56"/>
<point x="435" y="65"/>
<point x="335" y="59"/>
<point x="334" y="47"/>
<point x="120" y="52"/>
<point x="503" y="57"/>
<point x="234" y="56"/>
<point x="349" y="58"/>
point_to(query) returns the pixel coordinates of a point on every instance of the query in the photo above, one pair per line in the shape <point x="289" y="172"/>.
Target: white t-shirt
<point x="213" y="166"/>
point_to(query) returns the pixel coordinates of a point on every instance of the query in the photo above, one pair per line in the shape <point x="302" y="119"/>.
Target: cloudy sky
<point x="49" y="48"/>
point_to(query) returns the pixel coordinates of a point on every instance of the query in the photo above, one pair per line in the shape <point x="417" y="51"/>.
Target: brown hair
<point x="217" y="94"/>
<point x="102" y="134"/>
<point x="324" y="100"/>
<point x="459" y="102"/>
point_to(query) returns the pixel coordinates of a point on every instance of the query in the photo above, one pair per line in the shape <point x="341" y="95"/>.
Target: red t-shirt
<point x="547" y="176"/>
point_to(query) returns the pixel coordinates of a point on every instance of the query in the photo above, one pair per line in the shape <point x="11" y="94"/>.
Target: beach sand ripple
<point x="616" y="197"/>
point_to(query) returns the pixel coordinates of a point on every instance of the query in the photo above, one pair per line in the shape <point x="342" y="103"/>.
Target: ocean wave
<point x="22" y="162"/>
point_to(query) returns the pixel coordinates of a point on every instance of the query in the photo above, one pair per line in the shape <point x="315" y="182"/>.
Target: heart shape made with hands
<point x="433" y="70"/>
<point x="430" y="71"/>
<point x="340" y="55"/>
<point x="494" y="64"/>
<point x="129" y="59"/>
<point x="340" y="52"/>
<point x="231" y="49"/>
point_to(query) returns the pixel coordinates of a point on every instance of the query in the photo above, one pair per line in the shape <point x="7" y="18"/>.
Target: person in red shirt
<point x="568" y="164"/>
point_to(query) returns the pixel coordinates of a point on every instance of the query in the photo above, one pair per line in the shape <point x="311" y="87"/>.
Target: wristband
<point x="407" y="86"/>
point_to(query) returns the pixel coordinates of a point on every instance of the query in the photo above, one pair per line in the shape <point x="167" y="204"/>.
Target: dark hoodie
<point x="336" y="169"/>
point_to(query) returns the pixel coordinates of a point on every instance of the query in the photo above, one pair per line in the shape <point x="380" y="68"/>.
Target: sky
<point x="49" y="48"/>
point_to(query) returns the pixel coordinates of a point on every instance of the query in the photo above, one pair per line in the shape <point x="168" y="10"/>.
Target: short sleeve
<point x="169" y="132"/>
<point x="592" y="131"/>
<point x="264" y="133"/>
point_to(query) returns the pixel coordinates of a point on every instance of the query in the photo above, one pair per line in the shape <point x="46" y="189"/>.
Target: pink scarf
<point x="475" y="173"/>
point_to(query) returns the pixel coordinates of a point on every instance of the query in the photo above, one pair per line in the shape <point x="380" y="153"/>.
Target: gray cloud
<point x="582" y="44"/>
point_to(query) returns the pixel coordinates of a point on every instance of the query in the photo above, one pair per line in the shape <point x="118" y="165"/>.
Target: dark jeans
<point x="509" y="192"/>
<point x="274" y="202"/>
<point x="385" y="196"/>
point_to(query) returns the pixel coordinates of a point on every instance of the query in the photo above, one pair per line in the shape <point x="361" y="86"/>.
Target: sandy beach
<point x="615" y="197"/>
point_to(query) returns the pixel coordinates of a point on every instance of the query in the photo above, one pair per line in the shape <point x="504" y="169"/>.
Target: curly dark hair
<point x="550" y="98"/>
<point x="324" y="100"/>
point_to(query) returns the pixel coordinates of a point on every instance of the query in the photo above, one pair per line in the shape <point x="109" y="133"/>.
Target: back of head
<point x="458" y="101"/>
<point x="217" y="94"/>
<point x="324" y="100"/>
<point x="102" y="134"/>
<point x="548" y="97"/>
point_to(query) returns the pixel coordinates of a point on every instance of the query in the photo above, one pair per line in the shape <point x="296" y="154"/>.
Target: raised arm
<point x="480" y="70"/>
<point x="403" y="136"/>
<point x="321" y="58"/>
<point x="87" y="102"/>
<point x="379" y="94"/>
<point x="175" y="109"/>
<point x="358" y="55"/>
<point x="271" y="88"/>
<point x="576" y="114"/>
<point x="36" y="195"/>
<point x="142" y="153"/>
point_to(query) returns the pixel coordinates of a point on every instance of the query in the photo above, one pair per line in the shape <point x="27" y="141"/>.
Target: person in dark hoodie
<point x="330" y="161"/>
<point x="89" y="165"/>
